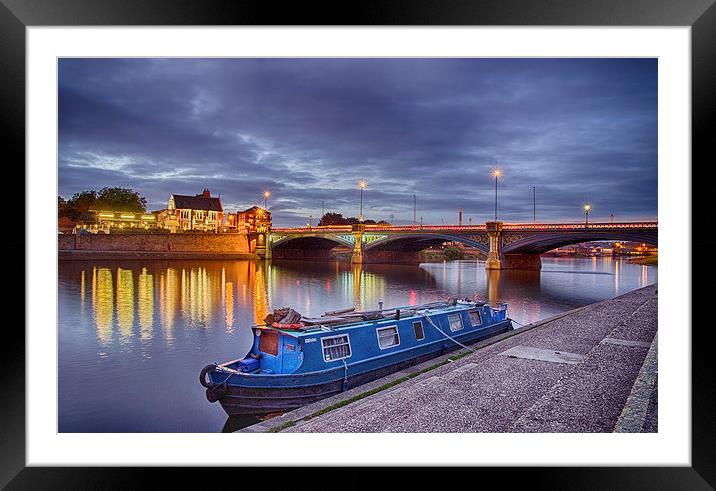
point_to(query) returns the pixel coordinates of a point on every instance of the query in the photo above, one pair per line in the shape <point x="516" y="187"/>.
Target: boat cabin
<point x="368" y="339"/>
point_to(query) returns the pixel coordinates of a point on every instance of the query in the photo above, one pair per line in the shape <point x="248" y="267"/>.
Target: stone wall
<point x="163" y="244"/>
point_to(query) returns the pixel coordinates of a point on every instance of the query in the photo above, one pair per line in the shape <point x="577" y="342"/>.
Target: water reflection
<point x="125" y="298"/>
<point x="103" y="303"/>
<point x="145" y="299"/>
<point x="125" y="302"/>
<point x="164" y="320"/>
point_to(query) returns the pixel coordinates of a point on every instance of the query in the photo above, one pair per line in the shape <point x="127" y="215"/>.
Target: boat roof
<point x="339" y="323"/>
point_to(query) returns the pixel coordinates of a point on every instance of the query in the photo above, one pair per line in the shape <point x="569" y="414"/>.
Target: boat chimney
<point x="460" y="217"/>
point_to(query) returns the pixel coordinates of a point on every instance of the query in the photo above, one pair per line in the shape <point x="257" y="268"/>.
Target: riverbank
<point x="645" y="260"/>
<point x="85" y="255"/>
<point x="154" y="246"/>
<point x="592" y="369"/>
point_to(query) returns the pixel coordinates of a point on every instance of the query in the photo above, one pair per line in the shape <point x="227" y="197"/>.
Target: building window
<point x="418" y="329"/>
<point x="336" y="347"/>
<point x="388" y="336"/>
<point x="455" y="322"/>
<point x="475" y="318"/>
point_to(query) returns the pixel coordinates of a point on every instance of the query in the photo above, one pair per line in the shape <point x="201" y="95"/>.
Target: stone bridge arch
<point x="543" y="242"/>
<point x="307" y="246"/>
<point x="416" y="242"/>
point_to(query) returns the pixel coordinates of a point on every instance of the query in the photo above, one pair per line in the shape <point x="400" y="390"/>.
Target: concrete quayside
<point x="592" y="369"/>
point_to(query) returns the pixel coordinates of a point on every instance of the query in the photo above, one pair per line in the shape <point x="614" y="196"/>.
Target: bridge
<point x="507" y="245"/>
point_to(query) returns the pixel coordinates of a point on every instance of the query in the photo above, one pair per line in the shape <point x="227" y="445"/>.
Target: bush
<point x="452" y="253"/>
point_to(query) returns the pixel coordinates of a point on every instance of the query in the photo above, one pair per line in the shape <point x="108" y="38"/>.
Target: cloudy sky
<point x="579" y="130"/>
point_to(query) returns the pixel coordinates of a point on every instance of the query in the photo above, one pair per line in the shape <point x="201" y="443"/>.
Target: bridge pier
<point x="358" y="231"/>
<point x="496" y="260"/>
<point x="263" y="244"/>
<point x="494" y="257"/>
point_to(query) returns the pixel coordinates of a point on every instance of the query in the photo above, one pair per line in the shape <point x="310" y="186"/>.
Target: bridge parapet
<point x="508" y="245"/>
<point x="578" y="226"/>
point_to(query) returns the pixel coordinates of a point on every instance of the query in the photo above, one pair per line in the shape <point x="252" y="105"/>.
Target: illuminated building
<point x="253" y="219"/>
<point x="199" y="212"/>
<point x="107" y="221"/>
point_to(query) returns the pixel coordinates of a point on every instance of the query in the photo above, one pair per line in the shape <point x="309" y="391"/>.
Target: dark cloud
<point x="309" y="129"/>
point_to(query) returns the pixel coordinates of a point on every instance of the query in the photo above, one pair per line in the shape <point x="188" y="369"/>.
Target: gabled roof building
<point x="199" y="212"/>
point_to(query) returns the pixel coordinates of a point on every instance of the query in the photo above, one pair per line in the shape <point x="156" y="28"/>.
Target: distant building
<point x="252" y="220"/>
<point x="200" y="212"/>
<point x="108" y="220"/>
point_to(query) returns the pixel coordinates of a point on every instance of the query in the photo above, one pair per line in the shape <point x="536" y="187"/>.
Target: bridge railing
<point x="579" y="226"/>
<point x="411" y="228"/>
<point x="322" y="229"/>
<point x="469" y="228"/>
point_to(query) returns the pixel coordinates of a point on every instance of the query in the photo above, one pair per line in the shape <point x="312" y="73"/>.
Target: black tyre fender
<point x="202" y="375"/>
<point x="215" y="393"/>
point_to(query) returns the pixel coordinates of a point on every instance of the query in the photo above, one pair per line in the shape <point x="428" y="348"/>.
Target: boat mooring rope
<point x="344" y="386"/>
<point x="446" y="334"/>
<point x="519" y="323"/>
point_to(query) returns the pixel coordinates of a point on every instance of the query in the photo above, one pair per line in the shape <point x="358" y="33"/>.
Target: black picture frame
<point x="700" y="15"/>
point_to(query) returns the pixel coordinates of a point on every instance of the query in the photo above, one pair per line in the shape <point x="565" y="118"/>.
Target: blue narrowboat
<point x="290" y="365"/>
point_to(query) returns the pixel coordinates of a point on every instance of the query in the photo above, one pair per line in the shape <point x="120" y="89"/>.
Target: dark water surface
<point x="133" y="335"/>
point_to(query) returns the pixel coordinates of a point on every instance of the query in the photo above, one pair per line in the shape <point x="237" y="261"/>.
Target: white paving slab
<point x="554" y="356"/>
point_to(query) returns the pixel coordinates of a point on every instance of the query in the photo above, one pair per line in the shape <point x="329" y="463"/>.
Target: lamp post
<point x="266" y="195"/>
<point x="496" y="173"/>
<point x="587" y="208"/>
<point x="361" y="184"/>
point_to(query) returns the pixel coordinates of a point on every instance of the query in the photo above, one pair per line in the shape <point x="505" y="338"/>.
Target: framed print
<point x="200" y="151"/>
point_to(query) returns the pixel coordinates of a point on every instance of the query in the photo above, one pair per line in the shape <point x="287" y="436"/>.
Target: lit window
<point x="475" y="318"/>
<point x="418" y="329"/>
<point x="455" y="322"/>
<point x="388" y="336"/>
<point x="336" y="348"/>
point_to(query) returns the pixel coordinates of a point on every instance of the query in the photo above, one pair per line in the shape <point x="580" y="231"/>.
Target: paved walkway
<point x="583" y="372"/>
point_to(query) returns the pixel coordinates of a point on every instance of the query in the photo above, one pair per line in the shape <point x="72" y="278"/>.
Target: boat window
<point x="418" y="329"/>
<point x="455" y="321"/>
<point x="475" y="318"/>
<point x="388" y="336"/>
<point x="268" y="342"/>
<point x="336" y="347"/>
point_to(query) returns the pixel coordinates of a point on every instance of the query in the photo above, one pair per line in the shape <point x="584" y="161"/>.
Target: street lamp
<point x="361" y="184"/>
<point x="266" y="195"/>
<point x="496" y="173"/>
<point x="587" y="208"/>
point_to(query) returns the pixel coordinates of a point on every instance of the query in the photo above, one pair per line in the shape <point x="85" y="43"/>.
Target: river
<point x="134" y="335"/>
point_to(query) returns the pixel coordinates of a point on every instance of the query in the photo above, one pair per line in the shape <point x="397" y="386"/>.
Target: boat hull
<point x="244" y="400"/>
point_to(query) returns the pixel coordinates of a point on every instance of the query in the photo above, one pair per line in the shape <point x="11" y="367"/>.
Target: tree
<point x="61" y="207"/>
<point x="331" y="219"/>
<point x="108" y="198"/>
<point x="120" y="199"/>
<point x="338" y="219"/>
<point x="78" y="204"/>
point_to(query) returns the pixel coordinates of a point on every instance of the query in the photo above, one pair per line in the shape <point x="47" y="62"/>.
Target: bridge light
<point x="362" y="185"/>
<point x="587" y="208"/>
<point x="496" y="173"/>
